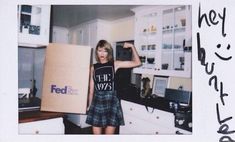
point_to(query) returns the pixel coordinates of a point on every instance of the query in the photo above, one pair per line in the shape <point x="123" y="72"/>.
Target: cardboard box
<point x="66" y="78"/>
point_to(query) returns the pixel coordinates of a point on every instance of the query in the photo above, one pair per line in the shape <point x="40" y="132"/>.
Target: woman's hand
<point x="128" y="45"/>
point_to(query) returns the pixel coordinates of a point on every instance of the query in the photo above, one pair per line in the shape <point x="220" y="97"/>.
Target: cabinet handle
<point x="181" y="122"/>
<point x="156" y="133"/>
<point x="157" y="117"/>
<point x="178" y="132"/>
<point x="45" y="31"/>
<point x="130" y="122"/>
<point x="190" y="125"/>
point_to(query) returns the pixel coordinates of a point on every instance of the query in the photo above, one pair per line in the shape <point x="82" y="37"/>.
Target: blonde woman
<point x="105" y="111"/>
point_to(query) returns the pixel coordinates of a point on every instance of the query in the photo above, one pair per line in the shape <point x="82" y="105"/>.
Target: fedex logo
<point x="65" y="90"/>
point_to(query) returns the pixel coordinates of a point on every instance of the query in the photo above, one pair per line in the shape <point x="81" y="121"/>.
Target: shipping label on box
<point x="66" y="78"/>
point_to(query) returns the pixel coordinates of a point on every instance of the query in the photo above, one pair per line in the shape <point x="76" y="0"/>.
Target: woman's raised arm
<point x="129" y="64"/>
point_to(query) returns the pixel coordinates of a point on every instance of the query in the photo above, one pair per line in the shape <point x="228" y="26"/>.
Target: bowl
<point x="183" y="22"/>
<point x="150" y="60"/>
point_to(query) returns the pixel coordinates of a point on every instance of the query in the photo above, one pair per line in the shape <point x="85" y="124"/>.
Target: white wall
<point x="122" y="29"/>
<point x="176" y="82"/>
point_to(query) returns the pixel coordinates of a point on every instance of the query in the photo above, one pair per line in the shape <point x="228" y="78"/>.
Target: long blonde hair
<point x="107" y="46"/>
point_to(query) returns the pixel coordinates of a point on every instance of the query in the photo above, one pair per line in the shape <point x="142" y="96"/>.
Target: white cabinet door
<point x="80" y="35"/>
<point x="86" y="35"/>
<point x="60" y="35"/>
<point x="90" y="33"/>
<point x="93" y="34"/>
<point x="133" y="125"/>
<point x="49" y="126"/>
<point x="139" y="121"/>
<point x="162" y="118"/>
<point x="175" y="39"/>
<point x="134" y="110"/>
<point x="33" y="25"/>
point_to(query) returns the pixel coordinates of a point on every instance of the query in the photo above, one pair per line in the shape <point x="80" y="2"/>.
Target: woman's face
<point x="102" y="54"/>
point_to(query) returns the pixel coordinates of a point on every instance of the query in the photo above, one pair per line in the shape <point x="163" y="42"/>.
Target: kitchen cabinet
<point x="140" y="121"/>
<point x="37" y="122"/>
<point x="49" y="126"/>
<point x="163" y="40"/>
<point x="60" y="34"/>
<point x="33" y="25"/>
<point x="90" y="33"/>
<point x="80" y="35"/>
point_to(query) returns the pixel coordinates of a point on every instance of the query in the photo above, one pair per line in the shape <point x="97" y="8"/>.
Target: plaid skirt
<point x="105" y="110"/>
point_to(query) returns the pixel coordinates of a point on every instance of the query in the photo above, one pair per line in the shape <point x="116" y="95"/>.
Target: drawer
<point x="139" y="126"/>
<point x="49" y="126"/>
<point x="162" y="118"/>
<point x="135" y="126"/>
<point x="156" y="116"/>
<point x="135" y="110"/>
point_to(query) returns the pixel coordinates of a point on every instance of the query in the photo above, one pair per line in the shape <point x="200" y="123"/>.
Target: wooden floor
<point x="71" y="128"/>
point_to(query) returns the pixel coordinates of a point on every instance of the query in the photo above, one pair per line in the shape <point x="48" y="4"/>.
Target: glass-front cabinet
<point x="163" y="40"/>
<point x="174" y="38"/>
<point x="147" y="37"/>
<point x="33" y="25"/>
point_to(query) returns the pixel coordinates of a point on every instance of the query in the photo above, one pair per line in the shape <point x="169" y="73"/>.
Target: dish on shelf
<point x="150" y="60"/>
<point x="143" y="47"/>
<point x="165" y="66"/>
<point x="149" y="47"/>
<point x="153" y="29"/>
<point x="167" y="46"/>
<point x="153" y="47"/>
<point x="183" y="22"/>
<point x="142" y="59"/>
<point x="177" y="46"/>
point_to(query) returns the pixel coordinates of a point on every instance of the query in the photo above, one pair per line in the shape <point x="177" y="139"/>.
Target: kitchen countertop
<point x="160" y="103"/>
<point x="30" y="116"/>
<point x="157" y="103"/>
<point x="131" y="94"/>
